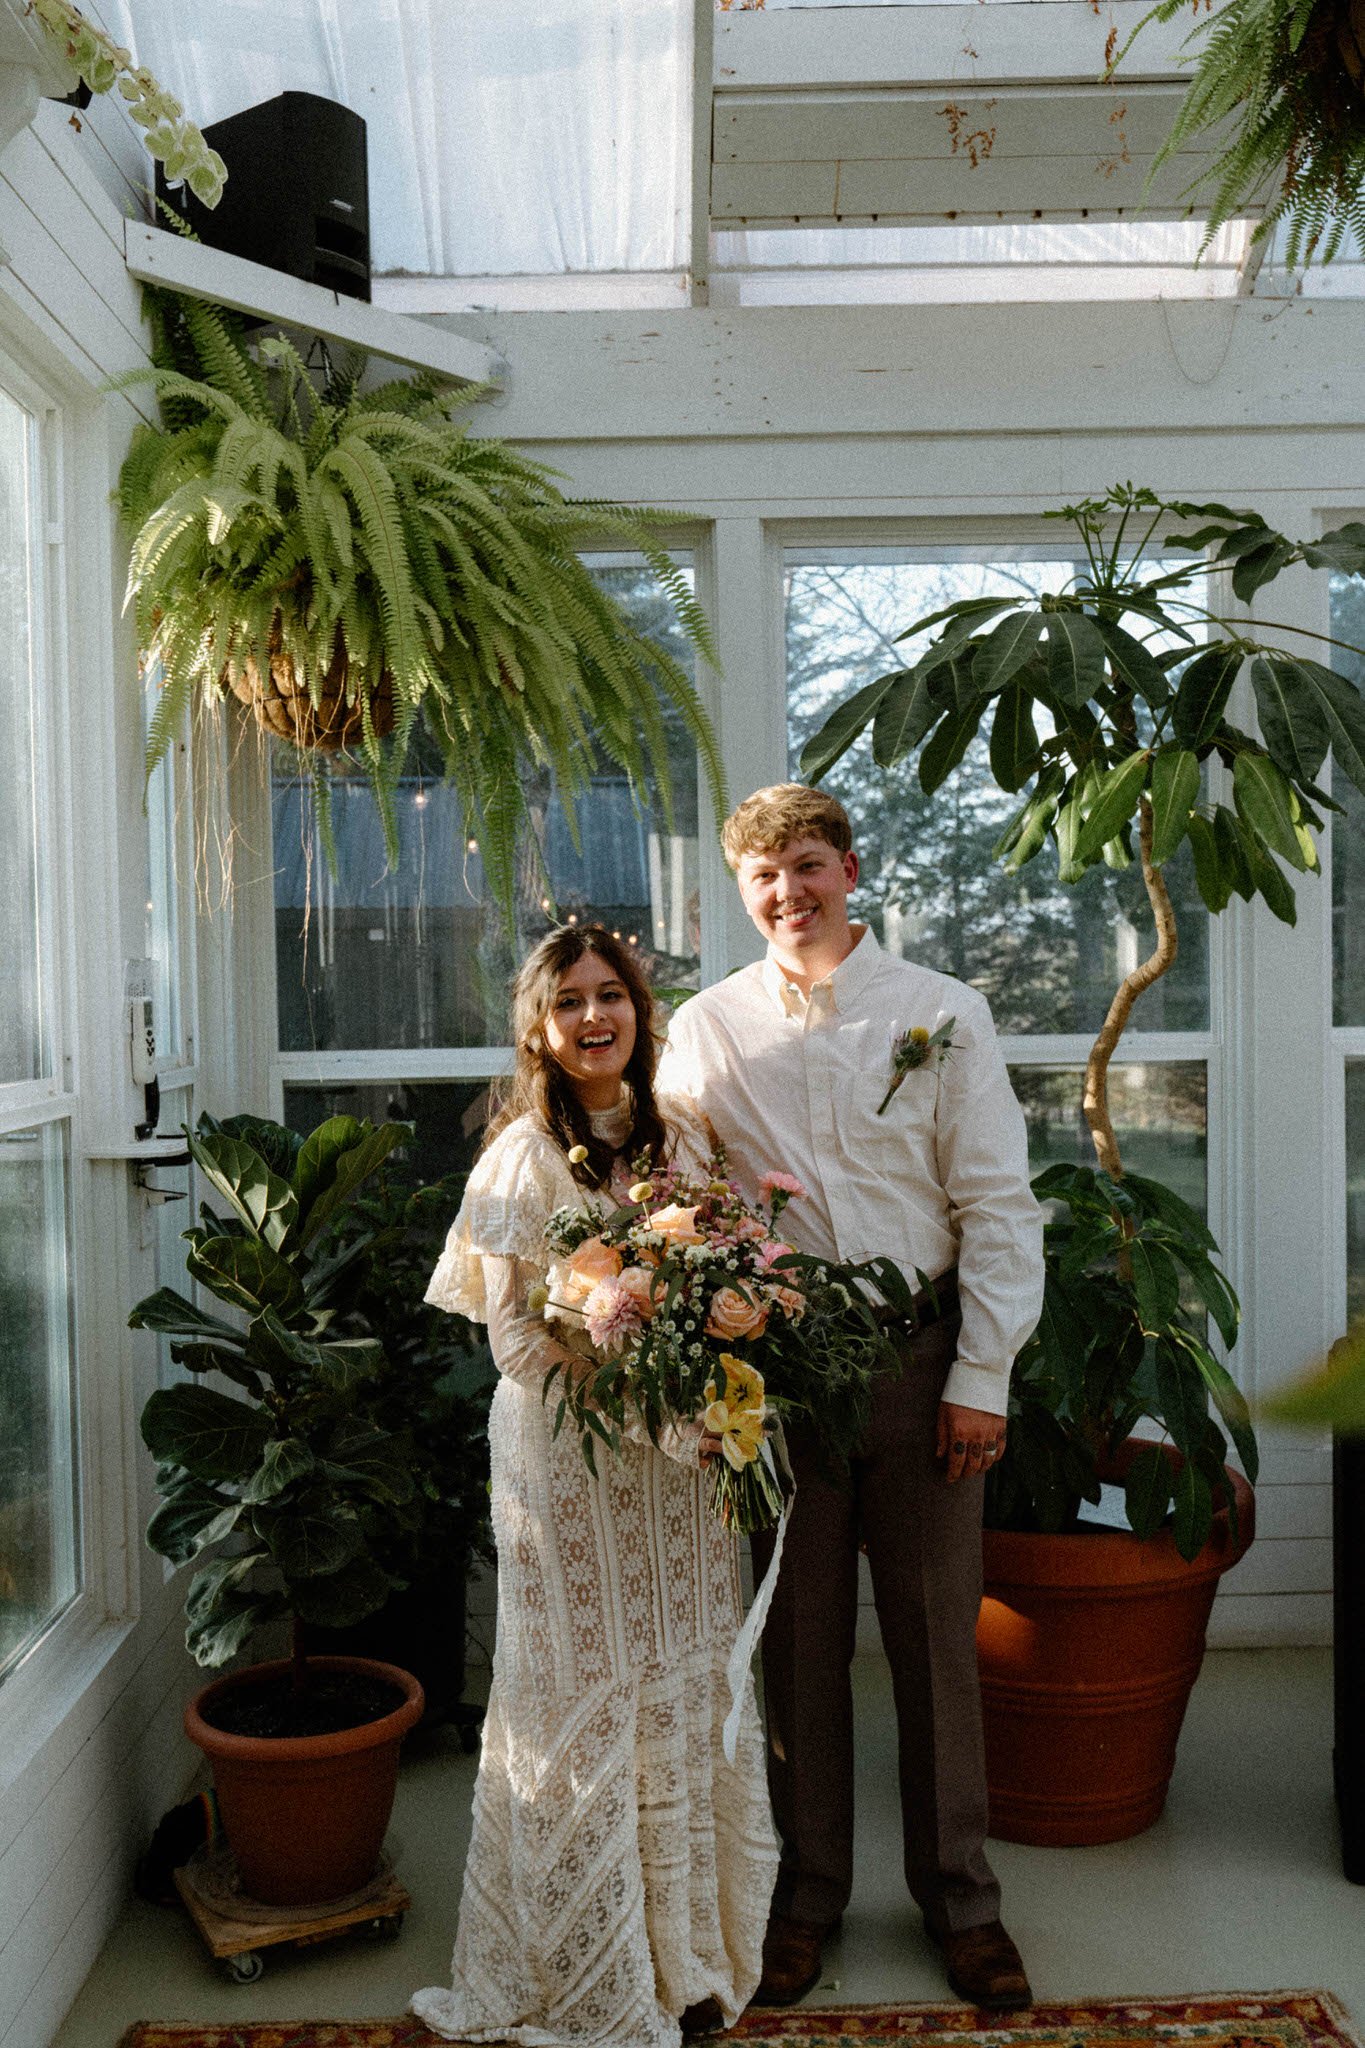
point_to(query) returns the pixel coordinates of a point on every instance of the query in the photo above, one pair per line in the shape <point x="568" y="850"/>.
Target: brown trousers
<point x="923" y="1540"/>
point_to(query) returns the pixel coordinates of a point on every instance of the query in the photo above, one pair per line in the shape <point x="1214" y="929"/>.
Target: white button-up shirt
<point x="792" y="1085"/>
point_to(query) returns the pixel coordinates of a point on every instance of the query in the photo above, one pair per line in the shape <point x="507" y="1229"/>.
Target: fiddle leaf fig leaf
<point x="246" y="1272"/>
<point x="207" y="1434"/>
<point x="340" y="1599"/>
<point x="335" y="1159"/>
<point x="286" y="1459"/>
<point x="1175" y="791"/>
<point x="306" y="1536"/>
<point x="266" y="1204"/>
<point x="189" y="1519"/>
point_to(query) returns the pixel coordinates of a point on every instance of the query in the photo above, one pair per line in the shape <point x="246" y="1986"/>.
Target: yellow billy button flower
<point x="577" y="1154"/>
<point x="537" y="1299"/>
<point x="641" y="1191"/>
<point x="918" y="1036"/>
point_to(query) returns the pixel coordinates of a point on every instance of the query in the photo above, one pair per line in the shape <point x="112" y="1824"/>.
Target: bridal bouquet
<point x="688" y="1308"/>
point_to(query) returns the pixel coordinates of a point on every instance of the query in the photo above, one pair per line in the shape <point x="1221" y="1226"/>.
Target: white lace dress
<point x="619" y="1868"/>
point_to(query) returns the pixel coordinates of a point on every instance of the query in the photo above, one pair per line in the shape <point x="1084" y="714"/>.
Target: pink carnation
<point x="770" y="1184"/>
<point x="770" y="1251"/>
<point x="612" y="1314"/>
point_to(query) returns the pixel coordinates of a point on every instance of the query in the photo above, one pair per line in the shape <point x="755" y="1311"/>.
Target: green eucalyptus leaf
<point x="207" y="1434"/>
<point x="1175" y="791"/>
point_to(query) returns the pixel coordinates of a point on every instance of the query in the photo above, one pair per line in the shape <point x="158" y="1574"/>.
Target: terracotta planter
<point x="305" y="1815"/>
<point x="1089" y="1645"/>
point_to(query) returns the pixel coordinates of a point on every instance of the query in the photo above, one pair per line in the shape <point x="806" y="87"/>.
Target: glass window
<point x="1355" y="1189"/>
<point x="23" y="1049"/>
<point x="447" y="1116"/>
<point x="416" y="956"/>
<point x="161" y="925"/>
<point x="1347" y="602"/>
<point x="1048" y="958"/>
<point x="1159" y="1113"/>
<point x="39" y="1560"/>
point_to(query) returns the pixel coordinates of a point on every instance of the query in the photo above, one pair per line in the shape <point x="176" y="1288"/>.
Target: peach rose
<point x="642" y="1285"/>
<point x="593" y="1261"/>
<point x="733" y="1315"/>
<point x="789" y="1300"/>
<point x="678" y="1225"/>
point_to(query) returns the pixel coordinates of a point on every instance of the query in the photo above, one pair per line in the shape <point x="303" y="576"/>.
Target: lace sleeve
<point x="511" y="1194"/>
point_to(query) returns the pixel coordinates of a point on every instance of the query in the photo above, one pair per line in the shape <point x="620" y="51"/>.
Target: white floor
<point x="1238" y="1886"/>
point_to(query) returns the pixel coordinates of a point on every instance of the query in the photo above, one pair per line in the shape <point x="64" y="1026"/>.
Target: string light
<point x="471" y="846"/>
<point x="573" y="917"/>
<point x="419" y="802"/>
<point x="635" y="938"/>
<point x="616" y="935"/>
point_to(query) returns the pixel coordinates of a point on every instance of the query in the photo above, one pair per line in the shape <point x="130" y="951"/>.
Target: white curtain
<point x="505" y="136"/>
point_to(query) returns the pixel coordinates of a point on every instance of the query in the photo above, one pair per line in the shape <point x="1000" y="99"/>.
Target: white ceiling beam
<point x="179" y="265"/>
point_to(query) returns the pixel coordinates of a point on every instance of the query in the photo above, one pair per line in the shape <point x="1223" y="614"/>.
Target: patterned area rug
<point x="1257" y="2019"/>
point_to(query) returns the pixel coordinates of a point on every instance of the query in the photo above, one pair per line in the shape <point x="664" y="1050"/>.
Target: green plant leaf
<point x="1075" y="656"/>
<point x="378" y="1462"/>
<point x="1014" y="738"/>
<point x="1202" y="693"/>
<point x="266" y="1204"/>
<point x="190" y="1518"/>
<point x="966" y="613"/>
<point x="1342" y="711"/>
<point x="1342" y="549"/>
<point x="172" y="1315"/>
<point x="1157" y="1199"/>
<point x="246" y="1272"/>
<point x="1215" y="887"/>
<point x="1269" y="881"/>
<point x="333" y="1162"/>
<point x="1133" y="665"/>
<point x="1230" y="1402"/>
<point x="1181" y="1396"/>
<point x="1147" y="1490"/>
<point x="1261" y="565"/>
<point x="1006" y="648"/>
<point x="284" y="1460"/>
<point x="1266" y="803"/>
<point x="1175" y="791"/>
<point x="207" y="1434"/>
<point x="1114" y="804"/>
<point x="221" y="1576"/>
<point x="1292" y="720"/>
<point x="1232" y="854"/>
<point x="306" y="1536"/>
<point x="947" y="745"/>
<point x="845" y="724"/>
<point x="217" y="1636"/>
<point x="903" y="716"/>
<point x="341" y="1599"/>
<point x="1193" y="1511"/>
<point x="1156" y="1283"/>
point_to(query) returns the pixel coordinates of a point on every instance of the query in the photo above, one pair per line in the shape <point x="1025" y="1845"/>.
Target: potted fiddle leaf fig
<point x="353" y="564"/>
<point x="301" y="1475"/>
<point x="1108" y="712"/>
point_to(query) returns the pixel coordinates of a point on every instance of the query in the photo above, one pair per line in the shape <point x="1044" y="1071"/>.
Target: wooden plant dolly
<point x="235" y="1929"/>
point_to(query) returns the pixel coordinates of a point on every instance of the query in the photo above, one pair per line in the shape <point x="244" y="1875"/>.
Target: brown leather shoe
<point x="985" y="1967"/>
<point x="703" y="2018"/>
<point x="791" y="1959"/>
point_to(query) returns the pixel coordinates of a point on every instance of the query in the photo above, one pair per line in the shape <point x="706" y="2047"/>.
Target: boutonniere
<point x="916" y="1048"/>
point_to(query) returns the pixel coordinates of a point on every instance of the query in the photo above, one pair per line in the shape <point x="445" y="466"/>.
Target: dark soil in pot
<point x="330" y="1701"/>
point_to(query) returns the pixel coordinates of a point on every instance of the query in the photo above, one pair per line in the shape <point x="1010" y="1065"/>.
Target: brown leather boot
<point x="791" y="1959"/>
<point x="985" y="1967"/>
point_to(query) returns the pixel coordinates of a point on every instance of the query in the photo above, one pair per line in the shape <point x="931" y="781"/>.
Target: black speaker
<point x="297" y="191"/>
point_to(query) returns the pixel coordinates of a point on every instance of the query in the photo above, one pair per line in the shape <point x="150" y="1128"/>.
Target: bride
<point x="619" y="1870"/>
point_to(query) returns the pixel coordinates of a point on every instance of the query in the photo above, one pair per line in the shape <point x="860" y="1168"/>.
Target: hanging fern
<point x="411" y="574"/>
<point x="1288" y="76"/>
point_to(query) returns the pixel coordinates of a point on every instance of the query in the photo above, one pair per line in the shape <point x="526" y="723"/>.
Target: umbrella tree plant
<point x="1108" y="706"/>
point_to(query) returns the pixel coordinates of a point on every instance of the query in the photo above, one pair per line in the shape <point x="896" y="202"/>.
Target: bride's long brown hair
<point x="539" y="1086"/>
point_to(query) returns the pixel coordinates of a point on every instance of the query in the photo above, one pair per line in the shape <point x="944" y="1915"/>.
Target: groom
<point x="792" y="1059"/>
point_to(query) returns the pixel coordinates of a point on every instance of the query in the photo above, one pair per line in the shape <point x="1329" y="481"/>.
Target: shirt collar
<point x="845" y="985"/>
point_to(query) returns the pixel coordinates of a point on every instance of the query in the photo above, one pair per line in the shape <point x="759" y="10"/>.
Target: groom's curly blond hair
<point x="771" y="818"/>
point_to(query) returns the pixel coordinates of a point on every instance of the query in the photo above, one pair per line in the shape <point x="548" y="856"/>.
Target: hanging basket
<point x="1350" y="37"/>
<point x="280" y="701"/>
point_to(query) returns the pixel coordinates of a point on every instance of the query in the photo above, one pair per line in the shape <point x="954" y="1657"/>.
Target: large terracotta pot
<point x="305" y="1815"/>
<point x="1089" y="1645"/>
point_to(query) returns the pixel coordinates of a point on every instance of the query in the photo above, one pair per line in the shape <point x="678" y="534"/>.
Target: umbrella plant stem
<point x="1096" y="1098"/>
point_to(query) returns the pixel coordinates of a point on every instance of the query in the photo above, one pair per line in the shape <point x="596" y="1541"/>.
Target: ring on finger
<point x="959" y="1449"/>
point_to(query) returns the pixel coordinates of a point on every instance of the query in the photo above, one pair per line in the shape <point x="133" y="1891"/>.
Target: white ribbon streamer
<point x="746" y="1642"/>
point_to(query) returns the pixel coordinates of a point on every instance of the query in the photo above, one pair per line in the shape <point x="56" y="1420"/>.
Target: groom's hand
<point x="969" y="1439"/>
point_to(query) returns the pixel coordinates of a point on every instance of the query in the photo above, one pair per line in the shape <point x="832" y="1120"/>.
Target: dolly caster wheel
<point x="247" y="1967"/>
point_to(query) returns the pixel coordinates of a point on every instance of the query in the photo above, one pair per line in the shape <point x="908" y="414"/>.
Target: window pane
<point x="1355" y="1188"/>
<point x="448" y="1116"/>
<point x="1048" y="958"/>
<point x="1348" y="829"/>
<point x="1159" y="1113"/>
<point x="161" y="923"/>
<point x="23" y="1053"/>
<point x="417" y="956"/>
<point x="39" y="1563"/>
